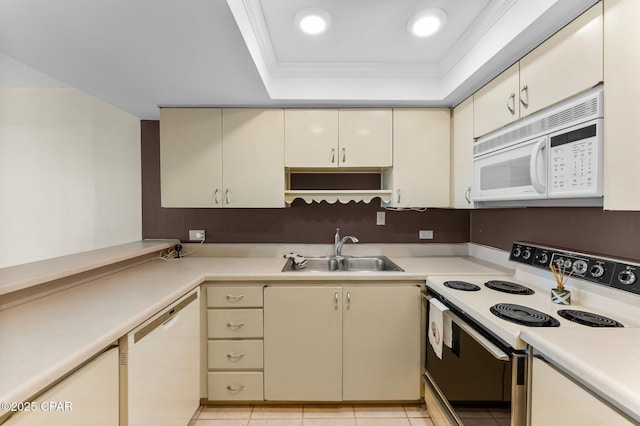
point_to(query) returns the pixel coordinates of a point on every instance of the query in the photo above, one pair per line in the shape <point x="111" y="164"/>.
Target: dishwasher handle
<point x="165" y="319"/>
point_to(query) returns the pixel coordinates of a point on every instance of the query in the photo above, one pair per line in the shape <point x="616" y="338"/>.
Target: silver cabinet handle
<point x="511" y="103"/>
<point x="234" y="357"/>
<point x="227" y="199"/>
<point x="524" y="92"/>
<point x="235" y="325"/>
<point x="216" y="199"/>
<point x="344" y="154"/>
<point x="348" y="300"/>
<point x="335" y="307"/>
<point x="467" y="195"/>
<point x="333" y="155"/>
<point x="238" y="388"/>
<point x="234" y="299"/>
<point x="398" y="196"/>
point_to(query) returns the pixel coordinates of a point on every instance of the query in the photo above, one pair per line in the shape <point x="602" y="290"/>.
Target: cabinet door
<point x="621" y="107"/>
<point x="566" y="64"/>
<point x="253" y="166"/>
<point x="90" y="395"/>
<point x="303" y="343"/>
<point x="365" y="138"/>
<point x="381" y="342"/>
<point x="496" y="104"/>
<point x="311" y="137"/>
<point x="462" y="155"/>
<point x="421" y="157"/>
<point x="557" y="400"/>
<point x="191" y="157"/>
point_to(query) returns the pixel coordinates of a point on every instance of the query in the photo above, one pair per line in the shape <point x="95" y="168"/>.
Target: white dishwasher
<point x="159" y="367"/>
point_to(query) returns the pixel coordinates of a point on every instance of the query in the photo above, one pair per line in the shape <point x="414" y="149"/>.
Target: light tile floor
<point x="335" y="415"/>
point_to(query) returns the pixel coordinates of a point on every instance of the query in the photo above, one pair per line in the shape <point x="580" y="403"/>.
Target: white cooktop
<point x="620" y="306"/>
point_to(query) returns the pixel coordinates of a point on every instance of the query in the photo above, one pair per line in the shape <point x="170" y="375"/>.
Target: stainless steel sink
<point x="344" y="264"/>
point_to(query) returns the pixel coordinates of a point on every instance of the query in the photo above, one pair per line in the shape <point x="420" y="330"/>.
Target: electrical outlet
<point x="426" y="235"/>
<point x="196" y="235"/>
<point x="380" y="218"/>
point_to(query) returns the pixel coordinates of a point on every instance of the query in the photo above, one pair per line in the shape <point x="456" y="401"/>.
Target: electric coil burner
<point x="508" y="287"/>
<point x="461" y="285"/>
<point x="523" y="315"/>
<point x="588" y="318"/>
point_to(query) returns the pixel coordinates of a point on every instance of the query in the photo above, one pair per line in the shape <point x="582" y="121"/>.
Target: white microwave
<point x="555" y="155"/>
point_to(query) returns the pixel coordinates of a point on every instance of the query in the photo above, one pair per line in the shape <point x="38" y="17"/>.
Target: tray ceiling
<point x="138" y="55"/>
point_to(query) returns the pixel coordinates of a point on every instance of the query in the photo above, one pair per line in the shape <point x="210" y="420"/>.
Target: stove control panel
<point x="611" y="273"/>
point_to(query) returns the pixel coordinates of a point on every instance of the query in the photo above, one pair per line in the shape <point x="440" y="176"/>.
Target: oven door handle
<point x="494" y="350"/>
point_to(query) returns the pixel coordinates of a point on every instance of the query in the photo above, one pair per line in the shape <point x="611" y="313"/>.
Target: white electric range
<point x="603" y="293"/>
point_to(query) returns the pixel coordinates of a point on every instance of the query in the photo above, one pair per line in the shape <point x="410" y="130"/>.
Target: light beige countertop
<point x="46" y="338"/>
<point x="606" y="360"/>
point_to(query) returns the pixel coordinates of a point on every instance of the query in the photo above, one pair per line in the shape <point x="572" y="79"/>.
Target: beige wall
<point x="69" y="174"/>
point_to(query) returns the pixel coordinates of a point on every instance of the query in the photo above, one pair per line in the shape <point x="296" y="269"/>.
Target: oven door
<point x="475" y="374"/>
<point x="517" y="172"/>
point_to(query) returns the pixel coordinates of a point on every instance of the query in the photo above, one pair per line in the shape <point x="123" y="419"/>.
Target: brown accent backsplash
<point x="301" y="223"/>
<point x="589" y="229"/>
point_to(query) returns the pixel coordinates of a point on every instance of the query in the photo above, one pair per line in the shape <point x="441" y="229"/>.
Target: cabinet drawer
<point x="234" y="354"/>
<point x="235" y="386"/>
<point x="234" y="297"/>
<point x="234" y="323"/>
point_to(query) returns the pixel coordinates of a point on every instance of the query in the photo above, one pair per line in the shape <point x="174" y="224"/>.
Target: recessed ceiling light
<point x="313" y="21"/>
<point x="426" y="22"/>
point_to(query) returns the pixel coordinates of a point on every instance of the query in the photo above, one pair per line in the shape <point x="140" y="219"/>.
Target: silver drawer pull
<point x="235" y="326"/>
<point x="235" y="357"/>
<point x="234" y="299"/>
<point x="236" y="389"/>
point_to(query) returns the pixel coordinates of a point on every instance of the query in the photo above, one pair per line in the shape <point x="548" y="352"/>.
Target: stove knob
<point x="596" y="271"/>
<point x="516" y="252"/>
<point x="559" y="262"/>
<point x="543" y="258"/>
<point x="579" y="267"/>
<point x="567" y="264"/>
<point x="627" y="277"/>
<point x="527" y="254"/>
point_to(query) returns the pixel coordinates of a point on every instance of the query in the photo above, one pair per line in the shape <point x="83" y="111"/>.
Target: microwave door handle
<point x="533" y="167"/>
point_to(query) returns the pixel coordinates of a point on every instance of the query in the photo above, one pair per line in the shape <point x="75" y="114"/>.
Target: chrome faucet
<point x="339" y="242"/>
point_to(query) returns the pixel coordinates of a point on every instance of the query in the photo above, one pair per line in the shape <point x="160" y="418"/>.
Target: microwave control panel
<point x="608" y="272"/>
<point x="574" y="163"/>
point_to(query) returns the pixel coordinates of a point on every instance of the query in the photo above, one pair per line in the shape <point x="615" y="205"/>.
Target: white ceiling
<point x="141" y="54"/>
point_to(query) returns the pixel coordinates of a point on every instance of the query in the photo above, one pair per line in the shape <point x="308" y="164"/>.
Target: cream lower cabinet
<point x="558" y="400"/>
<point x="89" y="396"/>
<point x="421" y="158"/>
<point x="342" y="343"/>
<point x="230" y="157"/>
<point x="234" y="342"/>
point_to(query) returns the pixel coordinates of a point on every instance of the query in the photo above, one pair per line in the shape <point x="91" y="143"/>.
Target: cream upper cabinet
<point x="190" y="156"/>
<point x="462" y="155"/>
<point x="365" y="137"/>
<point x="253" y="165"/>
<point x="421" y="156"/>
<point x="303" y="343"/>
<point x="381" y="343"/>
<point x="333" y="343"/>
<point x="568" y="63"/>
<point x="496" y="104"/>
<point x="558" y="400"/>
<point x="211" y="157"/>
<point x="621" y="108"/>
<point x="328" y="138"/>
<point x="311" y="137"/>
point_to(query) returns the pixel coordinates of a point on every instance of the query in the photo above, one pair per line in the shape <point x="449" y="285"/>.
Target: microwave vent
<point x="542" y="123"/>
